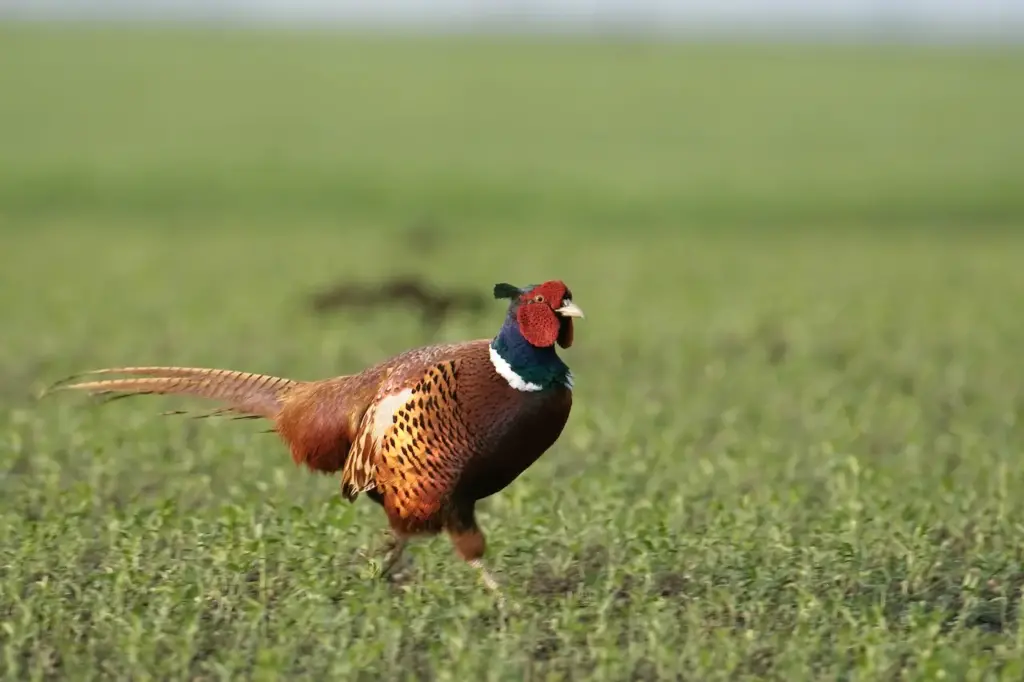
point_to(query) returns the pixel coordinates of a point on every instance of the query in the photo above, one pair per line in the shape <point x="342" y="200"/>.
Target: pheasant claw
<point x="491" y="584"/>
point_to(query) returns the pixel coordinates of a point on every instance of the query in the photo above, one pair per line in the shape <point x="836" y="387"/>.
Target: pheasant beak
<point x="569" y="309"/>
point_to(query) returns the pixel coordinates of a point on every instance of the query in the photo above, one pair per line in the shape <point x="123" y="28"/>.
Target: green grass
<point x="611" y="134"/>
<point x="794" y="453"/>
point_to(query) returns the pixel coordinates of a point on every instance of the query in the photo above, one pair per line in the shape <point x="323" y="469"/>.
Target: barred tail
<point x="253" y="395"/>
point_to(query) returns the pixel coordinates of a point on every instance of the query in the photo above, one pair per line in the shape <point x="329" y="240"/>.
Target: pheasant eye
<point x="539" y="298"/>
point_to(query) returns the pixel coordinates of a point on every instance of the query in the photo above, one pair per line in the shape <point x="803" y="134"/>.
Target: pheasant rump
<point x="424" y="434"/>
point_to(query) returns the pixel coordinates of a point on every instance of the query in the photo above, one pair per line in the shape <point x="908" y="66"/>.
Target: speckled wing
<point x="407" y="381"/>
<point x="423" y="453"/>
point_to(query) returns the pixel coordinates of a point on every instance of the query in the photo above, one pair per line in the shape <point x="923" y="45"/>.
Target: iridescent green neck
<point x="525" y="366"/>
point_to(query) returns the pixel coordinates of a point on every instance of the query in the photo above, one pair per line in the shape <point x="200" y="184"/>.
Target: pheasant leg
<point x="392" y="551"/>
<point x="470" y="544"/>
<point x="489" y="581"/>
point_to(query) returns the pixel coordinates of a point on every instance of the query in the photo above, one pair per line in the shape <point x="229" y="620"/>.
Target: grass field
<point x="795" y="450"/>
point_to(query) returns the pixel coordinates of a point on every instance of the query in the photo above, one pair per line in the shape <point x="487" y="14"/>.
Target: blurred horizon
<point x="795" y="20"/>
<point x="145" y="119"/>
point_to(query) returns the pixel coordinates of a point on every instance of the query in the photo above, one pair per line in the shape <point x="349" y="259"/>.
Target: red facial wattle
<point x="540" y="315"/>
<point x="538" y="324"/>
<point x="565" y="332"/>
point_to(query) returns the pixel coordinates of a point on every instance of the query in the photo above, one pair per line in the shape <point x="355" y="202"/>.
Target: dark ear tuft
<point x="505" y="290"/>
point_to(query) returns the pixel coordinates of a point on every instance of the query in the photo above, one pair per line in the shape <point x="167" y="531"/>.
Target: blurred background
<point x="370" y="141"/>
<point x="405" y="155"/>
<point x="866" y="18"/>
<point x="794" y="226"/>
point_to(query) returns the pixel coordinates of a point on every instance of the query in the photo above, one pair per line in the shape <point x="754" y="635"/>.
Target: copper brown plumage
<point x="426" y="433"/>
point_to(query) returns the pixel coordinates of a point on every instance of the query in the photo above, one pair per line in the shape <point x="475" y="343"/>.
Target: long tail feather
<point x="220" y="411"/>
<point x="257" y="395"/>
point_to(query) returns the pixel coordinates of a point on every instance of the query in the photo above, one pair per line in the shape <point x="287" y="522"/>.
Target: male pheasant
<point x="424" y="434"/>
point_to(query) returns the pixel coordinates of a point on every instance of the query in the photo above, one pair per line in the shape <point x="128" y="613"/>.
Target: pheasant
<point x="424" y="434"/>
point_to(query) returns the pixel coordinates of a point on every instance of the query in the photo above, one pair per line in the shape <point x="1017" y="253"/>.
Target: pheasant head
<point x="539" y="316"/>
